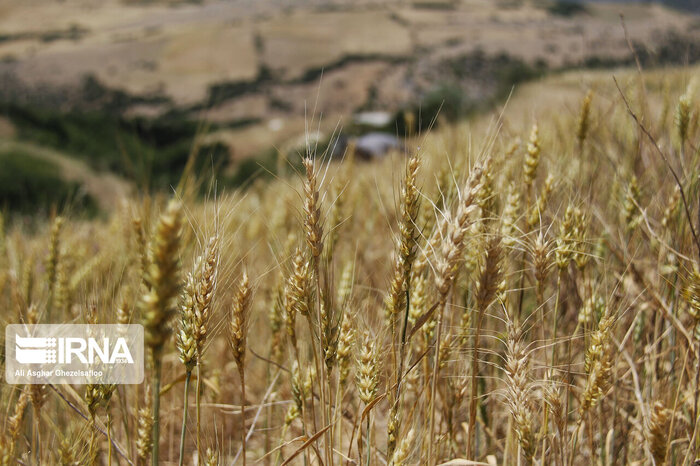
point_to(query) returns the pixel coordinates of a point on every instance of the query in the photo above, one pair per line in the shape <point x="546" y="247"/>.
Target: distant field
<point x="104" y="82"/>
<point x="180" y="51"/>
<point x="691" y="5"/>
<point x="304" y="40"/>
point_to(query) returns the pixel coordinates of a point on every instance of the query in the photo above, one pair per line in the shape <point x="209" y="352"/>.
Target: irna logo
<point x="36" y="350"/>
<point x="74" y="354"/>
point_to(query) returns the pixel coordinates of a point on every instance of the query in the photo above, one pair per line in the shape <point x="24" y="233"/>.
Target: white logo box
<point x="74" y="354"/>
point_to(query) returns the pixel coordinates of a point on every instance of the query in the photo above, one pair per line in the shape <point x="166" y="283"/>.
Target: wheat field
<point x="522" y="288"/>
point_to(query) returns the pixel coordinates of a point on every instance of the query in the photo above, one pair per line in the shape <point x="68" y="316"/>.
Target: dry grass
<point x="486" y="298"/>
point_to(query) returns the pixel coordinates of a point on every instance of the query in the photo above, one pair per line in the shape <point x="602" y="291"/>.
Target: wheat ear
<point x="52" y="261"/>
<point x="446" y="269"/>
<point x="367" y="381"/>
<point x="144" y="438"/>
<point x="398" y="299"/>
<point x="657" y="433"/>
<point x="239" y="333"/>
<point x="490" y="279"/>
<point x="161" y="287"/>
<point x="519" y="392"/>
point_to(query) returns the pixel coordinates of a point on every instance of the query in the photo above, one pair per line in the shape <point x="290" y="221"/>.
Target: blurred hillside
<point x="126" y="88"/>
<point x="689" y="5"/>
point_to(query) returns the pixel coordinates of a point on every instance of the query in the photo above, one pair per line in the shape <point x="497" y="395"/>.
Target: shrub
<point x="152" y="152"/>
<point x="566" y="8"/>
<point x="29" y="185"/>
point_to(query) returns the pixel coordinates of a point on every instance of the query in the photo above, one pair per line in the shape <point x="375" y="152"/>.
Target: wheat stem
<point x="241" y="373"/>
<point x="109" y="437"/>
<point x="197" y="395"/>
<point x="183" y="430"/>
<point x="157" y="367"/>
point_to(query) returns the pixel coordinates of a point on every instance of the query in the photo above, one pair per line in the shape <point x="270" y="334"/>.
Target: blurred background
<point x="100" y="98"/>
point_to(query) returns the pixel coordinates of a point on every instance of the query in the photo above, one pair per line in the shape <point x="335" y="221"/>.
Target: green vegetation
<point x="228" y="90"/>
<point x="73" y="32"/>
<point x="434" y="5"/>
<point x="498" y="74"/>
<point x="30" y="185"/>
<point x="566" y="8"/>
<point x="495" y="74"/>
<point x="671" y="50"/>
<point x="314" y="74"/>
<point x="263" y="166"/>
<point x="150" y="152"/>
<point x="690" y="5"/>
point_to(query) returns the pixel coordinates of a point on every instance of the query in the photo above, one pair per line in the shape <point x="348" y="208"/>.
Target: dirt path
<point x="107" y="189"/>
